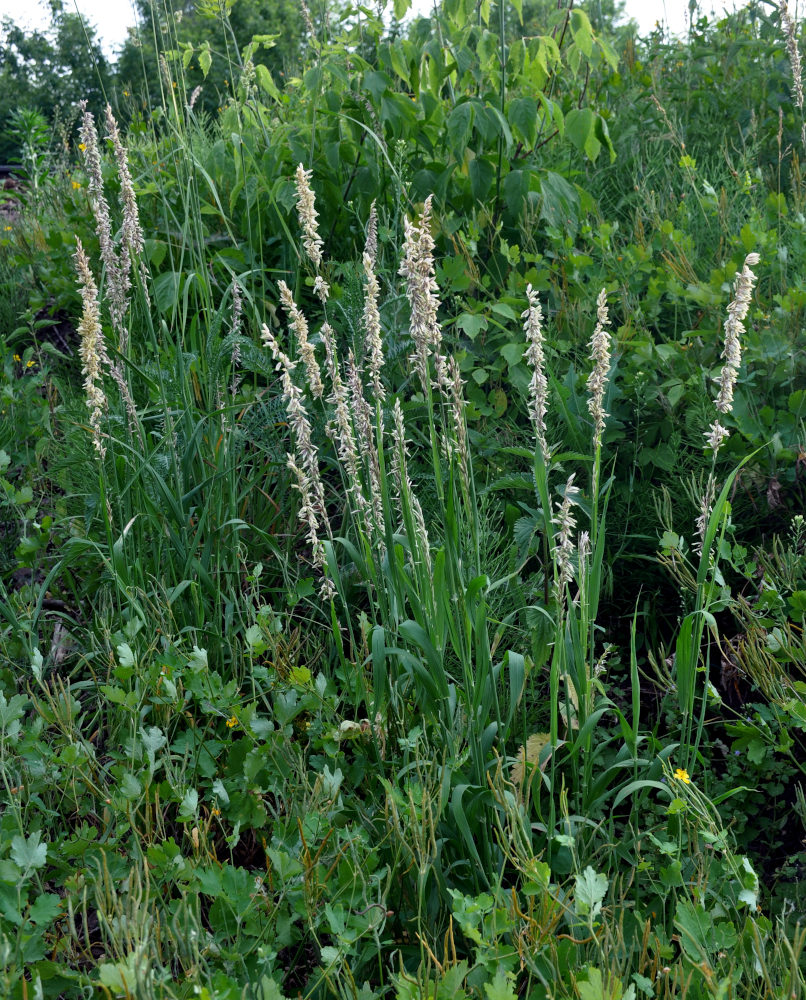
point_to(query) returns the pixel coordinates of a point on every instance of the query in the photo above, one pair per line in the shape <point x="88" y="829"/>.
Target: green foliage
<point x="414" y="735"/>
<point x="49" y="72"/>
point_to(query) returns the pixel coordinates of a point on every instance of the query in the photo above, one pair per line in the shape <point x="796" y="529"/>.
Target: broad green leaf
<point x="458" y="128"/>
<point x="266" y="82"/>
<point x="130" y="787"/>
<point x="582" y="31"/>
<point x="188" y="806"/>
<point x="522" y="115"/>
<point x="501" y="988"/>
<point x="45" y="909"/>
<point x="29" y="852"/>
<point x="513" y="353"/>
<point x="12" y="711"/>
<point x="472" y="324"/>
<point x="153" y="740"/>
<point x="591" y="889"/>
<point x="205" y="59"/>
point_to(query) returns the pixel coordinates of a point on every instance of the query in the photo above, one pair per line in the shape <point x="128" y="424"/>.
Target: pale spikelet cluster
<point x="131" y="232"/>
<point x="459" y="424"/>
<point x="597" y="380"/>
<point x="116" y="292"/>
<point x="165" y="72"/>
<point x="306" y="210"/>
<point x="299" y="325"/>
<point x="309" y="517"/>
<point x="417" y="267"/>
<point x="305" y="464"/>
<point x="117" y="267"/>
<point x="362" y="420"/>
<point x="732" y="351"/>
<point x="92" y="349"/>
<point x="371" y="246"/>
<point x="235" y="331"/>
<point x="793" y="52"/>
<point x="563" y="537"/>
<point x="399" y="450"/>
<point x="372" y="329"/>
<point x="538" y="387"/>
<point x="194" y="97"/>
<point x="297" y="420"/>
<point x="306" y="15"/>
<point x="344" y="433"/>
<point x="704" y="516"/>
<point x="403" y="485"/>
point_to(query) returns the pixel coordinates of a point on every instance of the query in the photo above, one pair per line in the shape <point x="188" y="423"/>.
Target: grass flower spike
<point x="299" y="326"/>
<point x="297" y="419"/>
<point x="92" y="350"/>
<point x="793" y="52"/>
<point x="564" y="542"/>
<point x="117" y="289"/>
<point x="372" y="328"/>
<point x="597" y="380"/>
<point x="306" y="210"/>
<point x="538" y="387"/>
<point x="732" y="352"/>
<point x="417" y="267"/>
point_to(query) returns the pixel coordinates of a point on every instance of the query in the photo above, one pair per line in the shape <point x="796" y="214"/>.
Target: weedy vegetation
<point x="403" y="558"/>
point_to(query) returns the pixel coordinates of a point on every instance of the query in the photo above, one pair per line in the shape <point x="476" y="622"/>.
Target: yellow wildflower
<point x="76" y="185"/>
<point x="8" y="229"/>
<point x="215" y="812"/>
<point x="125" y="93"/>
<point x="82" y="146"/>
<point x="17" y="357"/>
<point x="30" y="364"/>
<point x="233" y="722"/>
<point x="682" y="775"/>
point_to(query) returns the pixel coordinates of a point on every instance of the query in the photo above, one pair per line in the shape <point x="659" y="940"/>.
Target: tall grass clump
<point x="171" y="462"/>
<point x="400" y="532"/>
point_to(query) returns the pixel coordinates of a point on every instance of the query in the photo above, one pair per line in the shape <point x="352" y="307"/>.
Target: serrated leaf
<point x="501" y="988"/>
<point x="45" y="910"/>
<point x="188" y="806"/>
<point x="591" y="889"/>
<point x="220" y="792"/>
<point x="153" y="740"/>
<point x="472" y="324"/>
<point x="130" y="787"/>
<point x="29" y="852"/>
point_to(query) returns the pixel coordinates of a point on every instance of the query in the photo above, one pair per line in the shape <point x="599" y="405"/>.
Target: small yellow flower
<point x="125" y="93"/>
<point x="8" y="229"/>
<point x="233" y="722"/>
<point x="76" y="185"/>
<point x="17" y="357"/>
<point x="215" y="812"/>
<point x="174" y="84"/>
<point x="682" y="775"/>
<point x="82" y="146"/>
<point x="30" y="364"/>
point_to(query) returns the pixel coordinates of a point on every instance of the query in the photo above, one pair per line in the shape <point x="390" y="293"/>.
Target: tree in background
<point x="217" y="31"/>
<point x="49" y="72"/>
